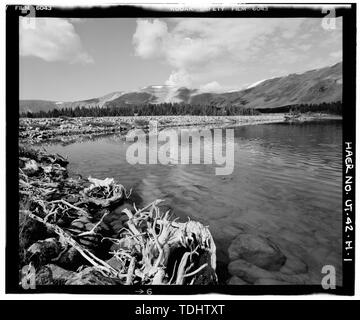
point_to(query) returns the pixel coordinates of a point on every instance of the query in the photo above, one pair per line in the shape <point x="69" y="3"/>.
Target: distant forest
<point x="332" y="107"/>
<point x="144" y="110"/>
<point x="180" y="109"/>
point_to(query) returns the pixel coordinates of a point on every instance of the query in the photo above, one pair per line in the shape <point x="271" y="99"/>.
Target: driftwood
<point x="154" y="244"/>
<point x="152" y="248"/>
<point x="66" y="130"/>
<point x="105" y="192"/>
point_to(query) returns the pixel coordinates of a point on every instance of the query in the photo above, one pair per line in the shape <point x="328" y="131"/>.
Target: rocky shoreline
<point x="89" y="232"/>
<point x="66" y="130"/>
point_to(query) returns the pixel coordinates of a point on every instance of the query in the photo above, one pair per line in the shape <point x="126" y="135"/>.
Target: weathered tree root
<point x="159" y="240"/>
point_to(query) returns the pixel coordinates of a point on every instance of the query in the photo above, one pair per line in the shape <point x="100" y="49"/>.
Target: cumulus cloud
<point x="213" y="86"/>
<point x="179" y="78"/>
<point x="51" y="39"/>
<point x="204" y="51"/>
<point x="149" y="38"/>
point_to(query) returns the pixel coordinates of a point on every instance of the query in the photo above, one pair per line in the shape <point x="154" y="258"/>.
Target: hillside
<point x="312" y="87"/>
<point x="36" y="105"/>
<point x="44" y="105"/>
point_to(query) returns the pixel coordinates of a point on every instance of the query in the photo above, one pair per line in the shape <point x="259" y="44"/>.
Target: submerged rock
<point x="251" y="273"/>
<point x="257" y="250"/>
<point x="294" y="265"/>
<point x="248" y="271"/>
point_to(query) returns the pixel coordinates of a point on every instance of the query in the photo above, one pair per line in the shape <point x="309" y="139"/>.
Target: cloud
<point x="179" y="78"/>
<point x="203" y="51"/>
<point x="52" y="39"/>
<point x="304" y="47"/>
<point x="336" y="54"/>
<point x="213" y="86"/>
<point x="292" y="29"/>
<point x="149" y="38"/>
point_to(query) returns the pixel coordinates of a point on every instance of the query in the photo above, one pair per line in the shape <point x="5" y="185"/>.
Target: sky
<point x="74" y="59"/>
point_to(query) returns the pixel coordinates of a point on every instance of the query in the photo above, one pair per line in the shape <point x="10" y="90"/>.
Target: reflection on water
<point x="286" y="185"/>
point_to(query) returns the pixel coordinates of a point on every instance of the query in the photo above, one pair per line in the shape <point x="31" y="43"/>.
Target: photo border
<point x="347" y="11"/>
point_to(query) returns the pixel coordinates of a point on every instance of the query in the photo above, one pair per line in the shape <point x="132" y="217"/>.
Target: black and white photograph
<point x="165" y="149"/>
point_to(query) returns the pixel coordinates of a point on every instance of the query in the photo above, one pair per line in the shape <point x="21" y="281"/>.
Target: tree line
<point x="332" y="107"/>
<point x="143" y="110"/>
<point x="325" y="107"/>
<point x="164" y="109"/>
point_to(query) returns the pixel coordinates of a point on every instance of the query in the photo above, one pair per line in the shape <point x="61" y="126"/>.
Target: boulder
<point x="257" y="250"/>
<point x="52" y="274"/>
<point x="30" y="231"/>
<point x="79" y="225"/>
<point x="43" y="251"/>
<point x="71" y="259"/>
<point x="116" y="220"/>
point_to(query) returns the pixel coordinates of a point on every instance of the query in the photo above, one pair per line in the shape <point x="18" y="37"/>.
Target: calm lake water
<point x="286" y="185"/>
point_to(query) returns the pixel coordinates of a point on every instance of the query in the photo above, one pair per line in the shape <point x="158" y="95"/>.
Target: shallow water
<point x="286" y="185"/>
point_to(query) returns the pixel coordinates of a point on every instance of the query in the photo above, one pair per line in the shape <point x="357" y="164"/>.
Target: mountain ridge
<point x="310" y="87"/>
